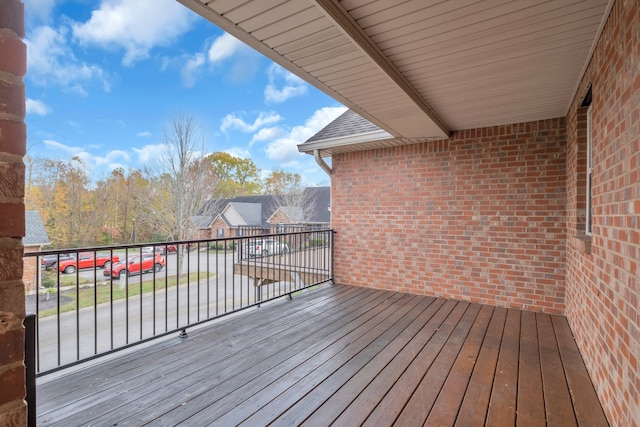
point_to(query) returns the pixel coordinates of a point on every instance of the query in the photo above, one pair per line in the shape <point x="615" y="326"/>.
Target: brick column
<point x="13" y="66"/>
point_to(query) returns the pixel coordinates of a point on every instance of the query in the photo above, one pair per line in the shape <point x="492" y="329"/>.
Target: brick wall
<point x="30" y="269"/>
<point x="479" y="217"/>
<point x="603" y="285"/>
<point x="13" y="66"/>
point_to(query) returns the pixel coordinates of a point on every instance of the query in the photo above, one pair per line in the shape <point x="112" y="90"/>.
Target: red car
<point x="135" y="265"/>
<point x="86" y="260"/>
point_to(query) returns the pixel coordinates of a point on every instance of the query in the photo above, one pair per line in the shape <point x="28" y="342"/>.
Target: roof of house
<point x="347" y="124"/>
<point x="251" y="213"/>
<point x="321" y="198"/>
<point x="256" y="210"/>
<point x="202" y="222"/>
<point x="35" y="234"/>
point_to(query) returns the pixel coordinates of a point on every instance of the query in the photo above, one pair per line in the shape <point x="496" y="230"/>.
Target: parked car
<point x="159" y="249"/>
<point x="266" y="247"/>
<point x="86" y="260"/>
<point x="135" y="265"/>
<point x="49" y="261"/>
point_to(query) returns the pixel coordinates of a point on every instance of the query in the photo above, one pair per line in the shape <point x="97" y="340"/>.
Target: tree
<point x="179" y="182"/>
<point x="236" y="176"/>
<point x="280" y="182"/>
<point x="290" y="195"/>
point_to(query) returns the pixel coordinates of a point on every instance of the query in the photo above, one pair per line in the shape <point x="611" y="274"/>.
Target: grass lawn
<point x="106" y="291"/>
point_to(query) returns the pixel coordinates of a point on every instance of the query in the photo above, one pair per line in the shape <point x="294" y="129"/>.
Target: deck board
<point x="344" y="356"/>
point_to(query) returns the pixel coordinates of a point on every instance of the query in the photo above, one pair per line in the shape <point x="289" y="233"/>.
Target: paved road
<point x="89" y="331"/>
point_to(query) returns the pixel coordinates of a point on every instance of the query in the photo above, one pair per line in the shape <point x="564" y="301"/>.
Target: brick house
<point x="35" y="238"/>
<point x="470" y="176"/>
<point x="261" y="214"/>
<point x="507" y="171"/>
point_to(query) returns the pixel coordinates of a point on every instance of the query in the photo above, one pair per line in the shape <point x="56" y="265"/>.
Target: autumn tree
<point x="290" y="195"/>
<point x="60" y="191"/>
<point x="279" y="182"/>
<point x="178" y="183"/>
<point x="236" y="176"/>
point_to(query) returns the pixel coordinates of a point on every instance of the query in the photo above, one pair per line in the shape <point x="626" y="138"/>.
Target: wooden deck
<point x="344" y="356"/>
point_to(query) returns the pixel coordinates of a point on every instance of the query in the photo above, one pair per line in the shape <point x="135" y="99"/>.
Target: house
<point x="261" y="214"/>
<point x="507" y="170"/>
<point x="498" y="158"/>
<point x="35" y="238"/>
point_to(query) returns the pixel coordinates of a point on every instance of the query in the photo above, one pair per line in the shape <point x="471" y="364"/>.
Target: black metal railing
<point x="93" y="301"/>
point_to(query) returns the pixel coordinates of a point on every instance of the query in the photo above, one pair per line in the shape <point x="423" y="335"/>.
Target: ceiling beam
<point x="341" y="17"/>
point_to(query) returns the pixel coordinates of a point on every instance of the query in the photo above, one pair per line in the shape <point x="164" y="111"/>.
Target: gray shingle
<point x="35" y="234"/>
<point x="347" y="124"/>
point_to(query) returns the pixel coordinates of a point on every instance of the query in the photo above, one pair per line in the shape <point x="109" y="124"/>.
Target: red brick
<point x="12" y="16"/>
<point x="12" y="385"/>
<point x="13" y="137"/>
<point x="11" y="347"/>
<point x="13" y="98"/>
<point x="11" y="219"/>
<point x="13" y="56"/>
<point x="12" y="180"/>
<point x="11" y="292"/>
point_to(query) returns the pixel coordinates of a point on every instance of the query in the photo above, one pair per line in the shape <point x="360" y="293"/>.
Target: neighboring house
<point x="253" y="215"/>
<point x="35" y="238"/>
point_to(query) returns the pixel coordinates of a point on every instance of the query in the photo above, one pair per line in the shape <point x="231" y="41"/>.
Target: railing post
<point x="30" y="366"/>
<point x="332" y="235"/>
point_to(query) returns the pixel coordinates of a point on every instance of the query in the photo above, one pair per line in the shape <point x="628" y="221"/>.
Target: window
<point x="588" y="194"/>
<point x="220" y="233"/>
<point x="584" y="167"/>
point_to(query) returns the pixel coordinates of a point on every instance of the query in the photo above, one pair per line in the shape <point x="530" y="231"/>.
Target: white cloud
<point x="39" y="10"/>
<point x="37" y="107"/>
<point x="136" y="26"/>
<point x="144" y="134"/>
<point x="232" y="121"/>
<point x="51" y="61"/>
<point x="285" y="150"/>
<point x="223" y="47"/>
<point x="150" y="152"/>
<point x="282" y="85"/>
<point x="191" y="69"/>
<point x="92" y="163"/>
<point x="266" y="134"/>
<point x="239" y="152"/>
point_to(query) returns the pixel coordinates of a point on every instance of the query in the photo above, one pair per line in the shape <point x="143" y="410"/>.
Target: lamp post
<point x="133" y="231"/>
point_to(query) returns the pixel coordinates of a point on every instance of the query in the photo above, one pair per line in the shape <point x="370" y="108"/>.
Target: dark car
<point x="49" y="261"/>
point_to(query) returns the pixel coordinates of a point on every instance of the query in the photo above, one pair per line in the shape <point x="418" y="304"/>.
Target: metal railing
<point x="91" y="302"/>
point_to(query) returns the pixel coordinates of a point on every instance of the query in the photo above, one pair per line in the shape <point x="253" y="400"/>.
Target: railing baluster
<point x="307" y="262"/>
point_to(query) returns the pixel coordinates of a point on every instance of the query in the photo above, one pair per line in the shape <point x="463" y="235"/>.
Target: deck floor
<point x="345" y="356"/>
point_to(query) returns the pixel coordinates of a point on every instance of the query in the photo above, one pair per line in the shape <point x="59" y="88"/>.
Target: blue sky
<point x="104" y="78"/>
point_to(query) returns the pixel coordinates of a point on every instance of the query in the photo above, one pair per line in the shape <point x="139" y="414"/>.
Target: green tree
<point x="236" y="176"/>
<point x="279" y="182"/>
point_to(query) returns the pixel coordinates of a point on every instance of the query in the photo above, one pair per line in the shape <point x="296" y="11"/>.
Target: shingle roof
<point x="202" y="222"/>
<point x="250" y="212"/>
<point x="35" y="234"/>
<point x="319" y="196"/>
<point x="347" y="124"/>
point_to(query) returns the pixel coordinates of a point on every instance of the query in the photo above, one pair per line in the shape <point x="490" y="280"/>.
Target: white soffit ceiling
<point x="421" y="68"/>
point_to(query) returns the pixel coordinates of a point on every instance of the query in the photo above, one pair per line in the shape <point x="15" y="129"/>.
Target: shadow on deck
<point x="342" y="355"/>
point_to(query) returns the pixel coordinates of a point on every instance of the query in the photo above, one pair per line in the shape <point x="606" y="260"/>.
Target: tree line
<point x="146" y="205"/>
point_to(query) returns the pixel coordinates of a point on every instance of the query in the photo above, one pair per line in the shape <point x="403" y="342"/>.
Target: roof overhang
<point x="420" y="69"/>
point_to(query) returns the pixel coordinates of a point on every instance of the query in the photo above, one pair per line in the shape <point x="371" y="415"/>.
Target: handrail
<point x="92" y="303"/>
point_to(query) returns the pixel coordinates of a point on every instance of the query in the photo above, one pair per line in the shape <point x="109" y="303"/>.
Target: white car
<point x="266" y="247"/>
